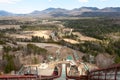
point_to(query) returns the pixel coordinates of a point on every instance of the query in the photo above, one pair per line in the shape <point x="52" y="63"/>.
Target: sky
<point x="27" y="6"/>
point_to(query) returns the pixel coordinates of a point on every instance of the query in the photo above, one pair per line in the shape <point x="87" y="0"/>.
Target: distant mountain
<point x="105" y="12"/>
<point x="50" y="12"/>
<point x="77" y="12"/>
<point x="110" y="9"/>
<point x="99" y="14"/>
<point x="80" y="12"/>
<point x="35" y="12"/>
<point x="55" y="12"/>
<point x="87" y="9"/>
<point x="5" y="13"/>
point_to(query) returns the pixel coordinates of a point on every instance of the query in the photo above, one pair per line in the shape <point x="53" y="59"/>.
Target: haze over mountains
<point x="77" y="12"/>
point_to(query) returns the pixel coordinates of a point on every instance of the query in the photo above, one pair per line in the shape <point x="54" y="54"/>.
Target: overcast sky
<point x="27" y="6"/>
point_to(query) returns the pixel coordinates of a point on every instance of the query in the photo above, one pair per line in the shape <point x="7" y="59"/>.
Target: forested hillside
<point x="94" y="27"/>
<point x="106" y="30"/>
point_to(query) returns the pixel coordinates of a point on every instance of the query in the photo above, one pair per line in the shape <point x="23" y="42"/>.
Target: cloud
<point x="104" y="0"/>
<point x="9" y="1"/>
<point x="89" y="0"/>
<point x="50" y="0"/>
<point x="83" y="0"/>
<point x="78" y="0"/>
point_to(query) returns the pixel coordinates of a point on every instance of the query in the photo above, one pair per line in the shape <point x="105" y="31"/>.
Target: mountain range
<point x="77" y="12"/>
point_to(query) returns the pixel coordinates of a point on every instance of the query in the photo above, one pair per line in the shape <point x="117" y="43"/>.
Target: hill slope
<point x="77" y="12"/>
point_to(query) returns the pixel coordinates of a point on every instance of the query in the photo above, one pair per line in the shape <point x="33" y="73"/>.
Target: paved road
<point x="63" y="74"/>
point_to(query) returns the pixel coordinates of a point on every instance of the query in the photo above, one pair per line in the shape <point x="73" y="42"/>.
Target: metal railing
<point x="111" y="73"/>
<point x="16" y="77"/>
<point x="31" y="76"/>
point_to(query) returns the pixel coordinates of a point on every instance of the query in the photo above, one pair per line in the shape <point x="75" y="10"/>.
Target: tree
<point x="117" y="59"/>
<point x="35" y="60"/>
<point x="33" y="49"/>
<point x="6" y="49"/>
<point x="10" y="63"/>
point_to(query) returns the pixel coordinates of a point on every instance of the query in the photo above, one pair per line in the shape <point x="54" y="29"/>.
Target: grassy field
<point x="9" y="27"/>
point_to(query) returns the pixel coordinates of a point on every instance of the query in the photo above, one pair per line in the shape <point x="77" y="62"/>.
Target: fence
<point x="111" y="73"/>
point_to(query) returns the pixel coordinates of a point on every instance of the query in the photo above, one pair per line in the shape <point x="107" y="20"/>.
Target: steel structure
<point x="111" y="73"/>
